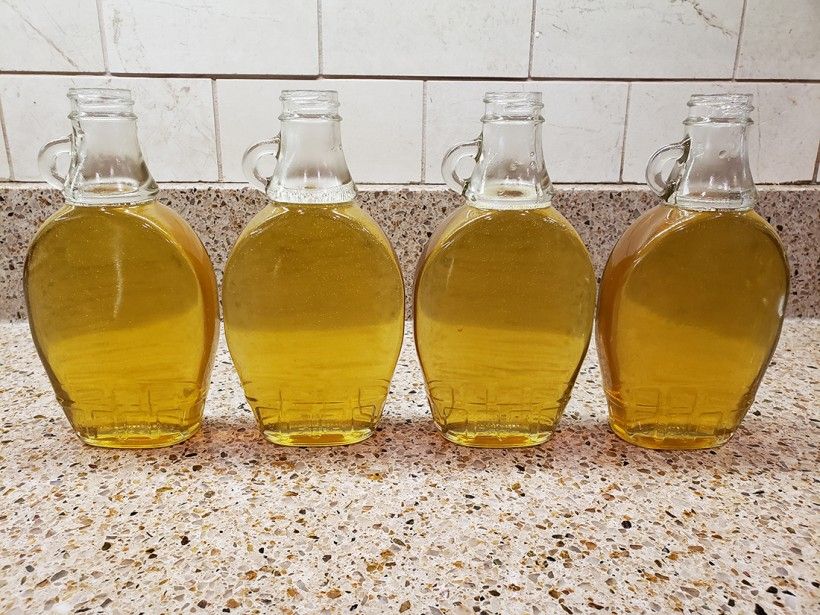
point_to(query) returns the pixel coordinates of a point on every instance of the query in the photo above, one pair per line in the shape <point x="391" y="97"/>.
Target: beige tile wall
<point x="583" y="131"/>
<point x="381" y="126"/>
<point x="658" y="39"/>
<point x="783" y="139"/>
<point x="615" y="76"/>
<point x="176" y="121"/>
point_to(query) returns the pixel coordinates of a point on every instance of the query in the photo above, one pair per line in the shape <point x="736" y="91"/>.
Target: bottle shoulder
<point x="126" y="263"/>
<point x="284" y="222"/>
<point x="170" y="222"/>
<point x="311" y="237"/>
<point x="54" y="220"/>
<point x="665" y="230"/>
<point x="157" y="215"/>
<point x="116" y="228"/>
<point x="468" y="223"/>
<point x="319" y="257"/>
<point x="512" y="252"/>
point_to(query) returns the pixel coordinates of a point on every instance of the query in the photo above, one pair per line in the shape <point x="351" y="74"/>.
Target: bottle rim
<point x="309" y="104"/>
<point x="512" y="106"/>
<point x="719" y="108"/>
<point x="101" y="102"/>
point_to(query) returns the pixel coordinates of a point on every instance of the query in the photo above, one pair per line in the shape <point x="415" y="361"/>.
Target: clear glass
<point x="310" y="163"/>
<point x="120" y="292"/>
<point x="106" y="164"/>
<point x="313" y="296"/>
<point x="505" y="290"/>
<point x="711" y="163"/>
<point x="510" y="171"/>
<point x="693" y="295"/>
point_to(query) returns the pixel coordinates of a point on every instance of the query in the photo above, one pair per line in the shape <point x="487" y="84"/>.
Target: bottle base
<point x="661" y="438"/>
<point x="133" y="438"/>
<point x="311" y="439"/>
<point x="495" y="440"/>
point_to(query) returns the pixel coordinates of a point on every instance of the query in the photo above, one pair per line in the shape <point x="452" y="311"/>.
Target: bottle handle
<point x="250" y="162"/>
<point x="47" y="160"/>
<point x="449" y="165"/>
<point x="665" y="187"/>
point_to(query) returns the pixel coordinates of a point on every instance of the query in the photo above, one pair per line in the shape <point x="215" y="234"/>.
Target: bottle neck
<point x="510" y="172"/>
<point x="106" y="165"/>
<point x="310" y="164"/>
<point x="716" y="173"/>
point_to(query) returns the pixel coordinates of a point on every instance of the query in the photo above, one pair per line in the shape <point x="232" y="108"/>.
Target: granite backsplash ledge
<point x="408" y="216"/>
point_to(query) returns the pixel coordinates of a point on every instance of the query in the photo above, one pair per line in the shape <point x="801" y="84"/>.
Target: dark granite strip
<point x="409" y="217"/>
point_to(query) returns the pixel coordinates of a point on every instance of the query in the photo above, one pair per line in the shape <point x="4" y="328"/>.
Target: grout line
<point x="363" y="77"/>
<point x="52" y="73"/>
<point x="532" y="41"/>
<point x="319" y="47"/>
<point x="739" y="39"/>
<point x="626" y="126"/>
<point x="816" y="165"/>
<point x="217" y="135"/>
<point x="5" y="134"/>
<point x="423" y="175"/>
<point x="101" y="22"/>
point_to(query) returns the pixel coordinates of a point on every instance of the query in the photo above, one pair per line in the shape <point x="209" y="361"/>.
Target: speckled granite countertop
<point x="405" y="522"/>
<point x="408" y="216"/>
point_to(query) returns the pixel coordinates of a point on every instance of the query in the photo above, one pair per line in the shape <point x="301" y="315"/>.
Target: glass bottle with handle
<point x="313" y="295"/>
<point x="120" y="292"/>
<point x="505" y="290"/>
<point x="693" y="295"/>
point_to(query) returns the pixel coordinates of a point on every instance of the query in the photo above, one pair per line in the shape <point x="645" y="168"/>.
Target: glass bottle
<point x="505" y="290"/>
<point x="121" y="295"/>
<point x="313" y="296"/>
<point x="693" y="296"/>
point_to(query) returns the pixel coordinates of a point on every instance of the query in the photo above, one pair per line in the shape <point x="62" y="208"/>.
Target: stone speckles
<point x="409" y="217"/>
<point x="406" y="522"/>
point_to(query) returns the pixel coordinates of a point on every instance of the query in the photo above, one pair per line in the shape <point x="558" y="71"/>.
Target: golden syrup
<point x="123" y="310"/>
<point x="503" y="315"/>
<point x="314" y="317"/>
<point x="689" y="314"/>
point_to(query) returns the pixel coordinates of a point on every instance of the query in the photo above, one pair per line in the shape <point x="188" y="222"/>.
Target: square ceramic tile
<point x="789" y="123"/>
<point x="381" y="124"/>
<point x="583" y="127"/>
<point x="175" y="119"/>
<point x="655" y="119"/>
<point x="624" y="38"/>
<point x="781" y="40"/>
<point x="426" y="37"/>
<point x="50" y="35"/>
<point x="782" y="141"/>
<point x="212" y="36"/>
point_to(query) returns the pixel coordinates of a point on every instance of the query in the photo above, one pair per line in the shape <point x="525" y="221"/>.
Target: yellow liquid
<point x="689" y="314"/>
<point x="314" y="317"/>
<point x="122" y="306"/>
<point x="503" y="315"/>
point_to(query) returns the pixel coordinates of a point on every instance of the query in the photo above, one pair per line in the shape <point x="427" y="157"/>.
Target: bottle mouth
<point x="512" y="106"/>
<point x="310" y="104"/>
<point x="719" y="108"/>
<point x="101" y="102"/>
